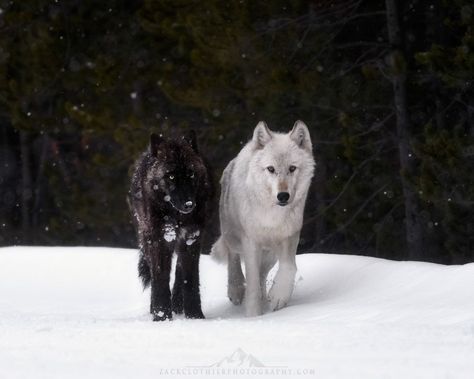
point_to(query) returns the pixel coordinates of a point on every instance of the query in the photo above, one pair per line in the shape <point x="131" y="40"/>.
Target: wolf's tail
<point x="219" y="251"/>
<point x="144" y="272"/>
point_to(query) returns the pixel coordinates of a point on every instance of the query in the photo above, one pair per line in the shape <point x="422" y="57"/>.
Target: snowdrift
<point x="81" y="312"/>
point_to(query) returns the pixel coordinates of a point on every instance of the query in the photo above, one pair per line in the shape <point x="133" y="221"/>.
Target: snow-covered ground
<point x="81" y="313"/>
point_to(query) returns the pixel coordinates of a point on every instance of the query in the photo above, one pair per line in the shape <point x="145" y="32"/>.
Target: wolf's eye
<point x="271" y="169"/>
<point x="191" y="174"/>
<point x="292" y="168"/>
<point x="170" y="176"/>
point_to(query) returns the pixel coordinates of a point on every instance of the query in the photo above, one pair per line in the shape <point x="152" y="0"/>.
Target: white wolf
<point x="263" y="193"/>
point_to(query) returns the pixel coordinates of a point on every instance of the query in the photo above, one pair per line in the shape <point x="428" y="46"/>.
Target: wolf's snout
<point x="283" y="198"/>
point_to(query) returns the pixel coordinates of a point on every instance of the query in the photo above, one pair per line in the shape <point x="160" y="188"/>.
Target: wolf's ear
<point x="155" y="142"/>
<point x="190" y="138"/>
<point x="300" y="134"/>
<point x="261" y="135"/>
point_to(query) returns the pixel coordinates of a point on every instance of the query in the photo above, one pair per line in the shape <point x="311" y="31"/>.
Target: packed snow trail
<point x="81" y="312"/>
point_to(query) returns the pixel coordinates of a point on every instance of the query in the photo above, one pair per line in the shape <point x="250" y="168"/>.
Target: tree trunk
<point x="26" y="186"/>
<point x="470" y="116"/>
<point x="414" y="230"/>
<point x="319" y="198"/>
<point x="38" y="185"/>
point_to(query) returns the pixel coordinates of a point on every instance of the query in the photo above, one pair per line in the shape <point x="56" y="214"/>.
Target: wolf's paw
<point x="277" y="302"/>
<point x="177" y="308"/>
<point x="254" y="309"/>
<point x="279" y="297"/>
<point x="236" y="294"/>
<point x="161" y="315"/>
<point x="197" y="314"/>
<point x="177" y="305"/>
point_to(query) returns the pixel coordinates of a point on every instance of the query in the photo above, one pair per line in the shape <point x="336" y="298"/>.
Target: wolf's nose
<point x="283" y="197"/>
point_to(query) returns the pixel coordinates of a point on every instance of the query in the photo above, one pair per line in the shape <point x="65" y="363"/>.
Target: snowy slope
<point x="80" y="312"/>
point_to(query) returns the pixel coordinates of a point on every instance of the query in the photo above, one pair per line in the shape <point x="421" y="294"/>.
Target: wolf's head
<point x="282" y="164"/>
<point x="177" y="174"/>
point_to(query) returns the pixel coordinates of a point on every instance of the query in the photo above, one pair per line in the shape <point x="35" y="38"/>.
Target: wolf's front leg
<point x="160" y="306"/>
<point x="268" y="262"/>
<point x="188" y="249"/>
<point x="283" y="284"/>
<point x="253" y="293"/>
<point x="177" y="294"/>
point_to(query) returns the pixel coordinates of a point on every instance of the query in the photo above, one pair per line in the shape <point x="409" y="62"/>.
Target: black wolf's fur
<point x="169" y="195"/>
<point x="144" y="272"/>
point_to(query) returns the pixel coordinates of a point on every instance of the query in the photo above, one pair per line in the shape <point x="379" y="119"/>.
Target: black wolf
<point x="169" y="199"/>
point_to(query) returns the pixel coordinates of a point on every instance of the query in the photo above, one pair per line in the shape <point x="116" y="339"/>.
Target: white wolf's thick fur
<point x="254" y="224"/>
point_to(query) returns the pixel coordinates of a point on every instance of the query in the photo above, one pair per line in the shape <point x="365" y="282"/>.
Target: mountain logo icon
<point x="238" y="358"/>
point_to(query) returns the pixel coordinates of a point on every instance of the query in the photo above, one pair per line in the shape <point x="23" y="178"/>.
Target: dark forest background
<point x="386" y="88"/>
